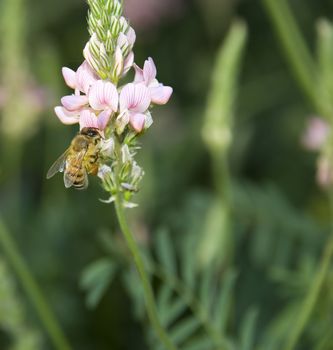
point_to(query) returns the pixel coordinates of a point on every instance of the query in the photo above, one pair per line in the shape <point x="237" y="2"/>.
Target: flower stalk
<point x="119" y="113"/>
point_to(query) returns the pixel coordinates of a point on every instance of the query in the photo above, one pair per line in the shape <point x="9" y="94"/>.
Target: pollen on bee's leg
<point x="94" y="170"/>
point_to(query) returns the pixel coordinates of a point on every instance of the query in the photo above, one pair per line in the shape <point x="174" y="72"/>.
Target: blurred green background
<point x="279" y="217"/>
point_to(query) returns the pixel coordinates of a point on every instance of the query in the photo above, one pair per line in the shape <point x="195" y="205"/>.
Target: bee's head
<point x="90" y="132"/>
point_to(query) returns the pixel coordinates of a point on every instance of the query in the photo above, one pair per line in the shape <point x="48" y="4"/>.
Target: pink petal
<point x="103" y="95"/>
<point x="138" y="74"/>
<point x="137" y="121"/>
<point x="74" y="103"/>
<point x="122" y="40"/>
<point x="134" y="97"/>
<point x="65" y="116"/>
<point x="128" y="63"/>
<point x="316" y="134"/>
<point x="69" y="77"/>
<point x="131" y="36"/>
<point x="149" y="71"/>
<point x="85" y="77"/>
<point x="88" y="120"/>
<point x="161" y="94"/>
<point x="103" y="119"/>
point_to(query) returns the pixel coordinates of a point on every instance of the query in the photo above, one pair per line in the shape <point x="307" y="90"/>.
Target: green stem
<point x="31" y="288"/>
<point x="294" y="46"/>
<point x="138" y="260"/>
<point x="312" y="297"/>
<point x="148" y="292"/>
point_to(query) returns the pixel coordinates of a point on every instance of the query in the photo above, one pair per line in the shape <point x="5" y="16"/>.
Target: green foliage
<point x="13" y="316"/>
<point x="193" y="303"/>
<point x="238" y="263"/>
<point x="96" y="278"/>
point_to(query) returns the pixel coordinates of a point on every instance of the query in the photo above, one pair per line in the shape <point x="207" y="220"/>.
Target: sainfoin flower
<point x="121" y="112"/>
<point x="316" y="134"/>
<point x="134" y="102"/>
<point x="159" y="93"/>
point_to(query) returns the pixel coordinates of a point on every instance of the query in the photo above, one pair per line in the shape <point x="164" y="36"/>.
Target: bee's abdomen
<point x="75" y="175"/>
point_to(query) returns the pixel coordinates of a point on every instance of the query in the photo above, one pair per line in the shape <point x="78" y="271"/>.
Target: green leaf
<point x="221" y="311"/>
<point x="176" y="309"/>
<point x="135" y="290"/>
<point x="207" y="287"/>
<point x="163" y="300"/>
<point x="96" y="278"/>
<point x="184" y="329"/>
<point x="200" y="343"/>
<point x="188" y="260"/>
<point x="165" y="251"/>
<point x="247" y="332"/>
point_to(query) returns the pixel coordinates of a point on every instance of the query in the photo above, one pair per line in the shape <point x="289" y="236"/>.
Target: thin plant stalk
<point x="148" y="292"/>
<point x="139" y="263"/>
<point x="313" y="295"/>
<point x="32" y="290"/>
<point x="296" y="50"/>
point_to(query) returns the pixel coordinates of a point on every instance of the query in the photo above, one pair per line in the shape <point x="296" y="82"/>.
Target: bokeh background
<point x="279" y="217"/>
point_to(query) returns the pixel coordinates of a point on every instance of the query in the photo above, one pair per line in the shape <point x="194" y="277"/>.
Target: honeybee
<point x="79" y="160"/>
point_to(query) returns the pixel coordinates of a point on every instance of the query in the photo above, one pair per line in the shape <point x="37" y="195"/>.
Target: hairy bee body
<point x="79" y="160"/>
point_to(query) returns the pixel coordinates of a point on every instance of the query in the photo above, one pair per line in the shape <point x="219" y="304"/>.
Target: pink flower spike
<point x="103" y="95"/>
<point x="135" y="98"/>
<point x="149" y="71"/>
<point x="161" y="94"/>
<point x="88" y="120"/>
<point x="69" y="77"/>
<point x="103" y="119"/>
<point x="74" y="103"/>
<point x="137" y="121"/>
<point x="65" y="116"/>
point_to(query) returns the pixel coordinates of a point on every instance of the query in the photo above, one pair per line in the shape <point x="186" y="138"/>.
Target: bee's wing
<point x="70" y="178"/>
<point x="58" y="165"/>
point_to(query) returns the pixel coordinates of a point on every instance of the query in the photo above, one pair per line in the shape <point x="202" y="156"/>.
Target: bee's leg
<point x="94" y="170"/>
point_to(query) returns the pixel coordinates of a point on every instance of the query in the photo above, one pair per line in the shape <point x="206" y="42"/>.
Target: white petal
<point x="118" y="62"/>
<point x="149" y="71"/>
<point x="74" y="103"/>
<point x="65" y="116"/>
<point x="138" y="74"/>
<point x="131" y="36"/>
<point x="128" y="63"/>
<point x="161" y="94"/>
<point x="149" y="120"/>
<point x="69" y="77"/>
<point x="121" y="122"/>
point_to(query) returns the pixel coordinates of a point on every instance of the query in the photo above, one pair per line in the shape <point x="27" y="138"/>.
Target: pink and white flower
<point x="134" y="101"/>
<point x="159" y="93"/>
<point x="95" y="106"/>
<point x="316" y="134"/>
